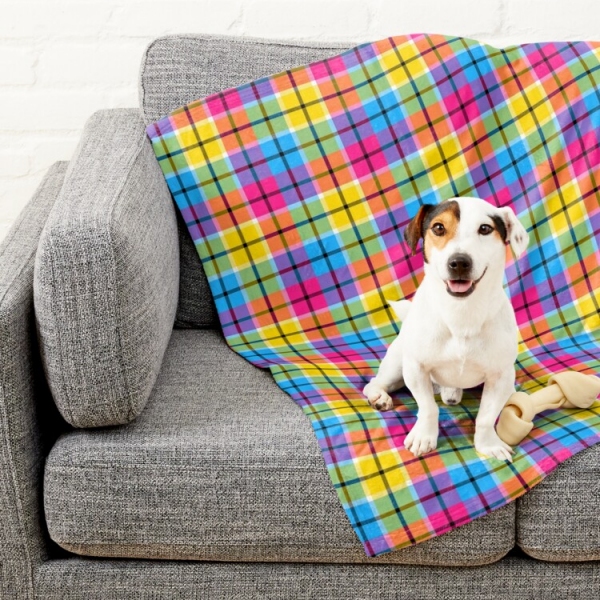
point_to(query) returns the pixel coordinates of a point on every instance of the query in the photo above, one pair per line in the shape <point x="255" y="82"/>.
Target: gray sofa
<point x="141" y="458"/>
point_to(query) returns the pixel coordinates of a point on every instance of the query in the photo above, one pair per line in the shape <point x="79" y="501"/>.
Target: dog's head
<point x="464" y="240"/>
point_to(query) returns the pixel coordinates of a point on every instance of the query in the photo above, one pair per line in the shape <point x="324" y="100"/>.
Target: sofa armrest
<point x="106" y="279"/>
<point x="25" y="403"/>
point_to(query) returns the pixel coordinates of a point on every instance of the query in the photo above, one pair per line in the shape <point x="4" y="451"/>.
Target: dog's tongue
<point x="458" y="286"/>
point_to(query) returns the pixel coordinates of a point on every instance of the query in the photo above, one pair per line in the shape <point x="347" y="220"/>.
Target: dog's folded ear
<point x="414" y="230"/>
<point x="516" y="235"/>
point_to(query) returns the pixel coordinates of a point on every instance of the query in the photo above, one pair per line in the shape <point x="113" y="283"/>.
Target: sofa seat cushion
<point x="221" y="465"/>
<point x="559" y="519"/>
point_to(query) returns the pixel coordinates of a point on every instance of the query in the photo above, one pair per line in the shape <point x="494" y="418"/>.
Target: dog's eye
<point x="438" y="229"/>
<point x="485" y="229"/>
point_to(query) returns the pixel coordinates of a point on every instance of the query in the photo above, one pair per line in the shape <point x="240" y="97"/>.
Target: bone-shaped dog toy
<point x="568" y="389"/>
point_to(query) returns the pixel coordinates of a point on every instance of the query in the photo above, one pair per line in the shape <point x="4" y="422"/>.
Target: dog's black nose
<point x="460" y="265"/>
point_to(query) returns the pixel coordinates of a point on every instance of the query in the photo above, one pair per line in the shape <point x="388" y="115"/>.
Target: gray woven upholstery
<point x="559" y="519"/>
<point x="196" y="308"/>
<point x="221" y="465"/>
<point x="107" y="274"/>
<point x="179" y="69"/>
<point x="24" y="399"/>
<point x="509" y="579"/>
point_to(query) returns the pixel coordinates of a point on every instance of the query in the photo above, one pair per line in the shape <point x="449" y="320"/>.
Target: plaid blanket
<point x="296" y="188"/>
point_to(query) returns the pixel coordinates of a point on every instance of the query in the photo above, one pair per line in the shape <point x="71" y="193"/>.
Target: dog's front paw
<point x="490" y="445"/>
<point x="422" y="438"/>
<point x="377" y="397"/>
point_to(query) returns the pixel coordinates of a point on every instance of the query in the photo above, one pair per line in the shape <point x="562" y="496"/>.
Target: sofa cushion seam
<point x="117" y="279"/>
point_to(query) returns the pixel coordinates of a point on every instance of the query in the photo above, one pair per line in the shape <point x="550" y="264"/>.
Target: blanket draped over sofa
<point x="296" y="189"/>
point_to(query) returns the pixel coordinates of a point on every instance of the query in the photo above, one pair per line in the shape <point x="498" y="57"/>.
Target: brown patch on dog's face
<point x="440" y="226"/>
<point x="414" y="230"/>
<point x="499" y="227"/>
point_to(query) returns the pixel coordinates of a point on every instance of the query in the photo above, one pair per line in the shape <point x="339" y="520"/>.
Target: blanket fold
<point x="296" y="189"/>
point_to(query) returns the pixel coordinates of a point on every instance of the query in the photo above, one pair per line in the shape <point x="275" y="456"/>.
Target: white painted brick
<point x="155" y="18"/>
<point x="456" y="17"/>
<point x="105" y="63"/>
<point x="503" y="40"/>
<point x="334" y="20"/>
<point x="125" y="97"/>
<point x="545" y="20"/>
<point x="59" y="18"/>
<point x="49" y="110"/>
<point x="14" y="164"/>
<point x="51" y="149"/>
<point x="19" y="142"/>
<point x="4" y="227"/>
<point x="17" y="65"/>
<point x="15" y="194"/>
<point x="60" y="60"/>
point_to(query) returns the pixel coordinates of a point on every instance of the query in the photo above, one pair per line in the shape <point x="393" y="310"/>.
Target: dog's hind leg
<point x="451" y="396"/>
<point x="388" y="379"/>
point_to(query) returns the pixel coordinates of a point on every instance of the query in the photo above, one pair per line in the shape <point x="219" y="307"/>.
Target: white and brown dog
<point x="460" y="330"/>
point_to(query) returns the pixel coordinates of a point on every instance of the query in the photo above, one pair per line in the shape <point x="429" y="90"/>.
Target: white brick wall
<point x="60" y="60"/>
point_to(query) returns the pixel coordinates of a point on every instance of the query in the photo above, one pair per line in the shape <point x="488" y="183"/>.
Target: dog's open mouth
<point x="460" y="288"/>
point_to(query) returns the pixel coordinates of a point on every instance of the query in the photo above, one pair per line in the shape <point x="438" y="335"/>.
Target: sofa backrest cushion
<point x="179" y="69"/>
<point x="106" y="275"/>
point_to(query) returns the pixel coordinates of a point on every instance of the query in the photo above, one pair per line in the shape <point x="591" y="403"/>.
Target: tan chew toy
<point x="568" y="389"/>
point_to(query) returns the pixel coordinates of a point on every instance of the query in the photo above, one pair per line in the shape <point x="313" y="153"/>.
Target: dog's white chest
<point x="460" y="363"/>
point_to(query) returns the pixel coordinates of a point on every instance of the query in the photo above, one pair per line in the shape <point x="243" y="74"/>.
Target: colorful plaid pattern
<point x="296" y="189"/>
